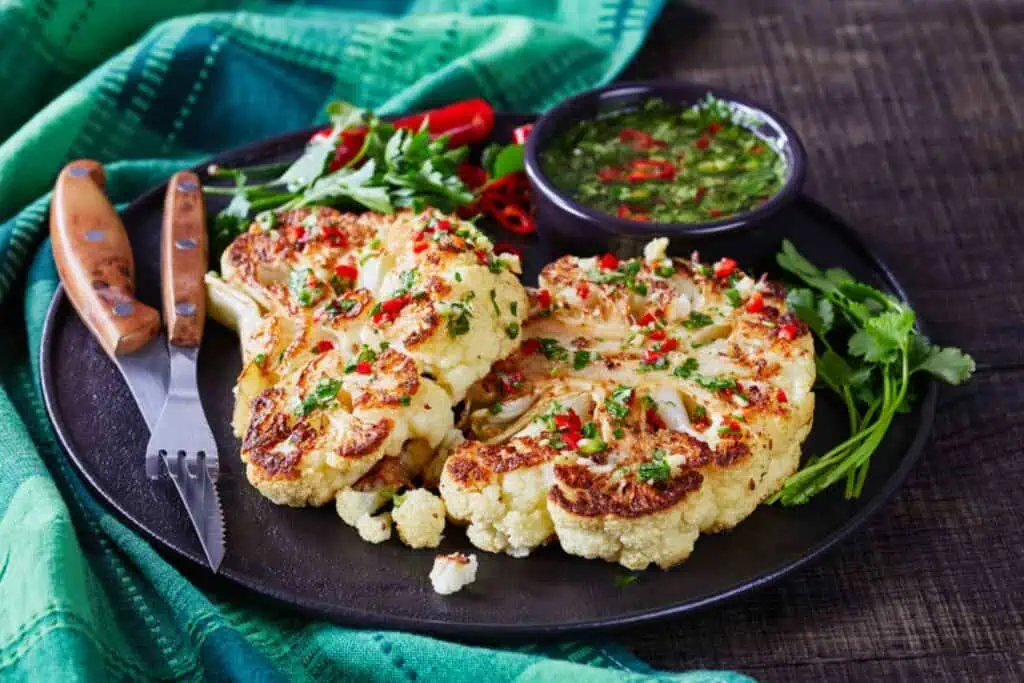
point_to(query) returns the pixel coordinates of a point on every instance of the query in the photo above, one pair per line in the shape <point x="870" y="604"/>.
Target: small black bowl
<point x="578" y="229"/>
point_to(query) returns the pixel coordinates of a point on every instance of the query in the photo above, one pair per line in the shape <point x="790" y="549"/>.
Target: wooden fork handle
<point x="184" y="256"/>
<point x="94" y="260"/>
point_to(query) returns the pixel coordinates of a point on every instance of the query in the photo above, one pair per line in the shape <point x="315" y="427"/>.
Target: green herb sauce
<point x="665" y="164"/>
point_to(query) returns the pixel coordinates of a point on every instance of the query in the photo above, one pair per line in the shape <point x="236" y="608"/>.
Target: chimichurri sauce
<point x="666" y="164"/>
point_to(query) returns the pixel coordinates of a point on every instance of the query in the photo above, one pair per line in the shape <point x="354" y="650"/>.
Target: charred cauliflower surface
<point x="652" y="400"/>
<point x="359" y="334"/>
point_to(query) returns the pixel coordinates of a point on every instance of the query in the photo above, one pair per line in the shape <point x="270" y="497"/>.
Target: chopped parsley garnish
<point x="494" y="264"/>
<point x="260" y="359"/>
<point x="320" y="397"/>
<point x="589" y="431"/>
<point x="514" y="308"/>
<point x="304" y="287"/>
<point x="408" y="278"/>
<point x="405" y="400"/>
<point x="705" y="270"/>
<point x="700" y="412"/>
<point x="659" y="363"/>
<point x="623" y="580"/>
<point x="458" y="276"/>
<point x="494" y="302"/>
<point x="734" y="297"/>
<point x="495" y="408"/>
<point x="617" y="403"/>
<point x="460" y="315"/>
<point x="665" y="270"/>
<point x="366" y="354"/>
<point x="657" y="469"/>
<point x="512" y="330"/>
<point x="647" y="402"/>
<point x="716" y="383"/>
<point x="552" y="350"/>
<point x="580" y="359"/>
<point x="687" y="369"/>
<point x="618" y="433"/>
<point x="697" y="320"/>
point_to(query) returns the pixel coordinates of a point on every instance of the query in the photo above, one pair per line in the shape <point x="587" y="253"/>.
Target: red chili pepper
<point x="626" y="211"/>
<point x="656" y="335"/>
<point x="510" y="381"/>
<point x="393" y="307"/>
<point x="419" y="246"/>
<point x="609" y="261"/>
<point x="569" y="421"/>
<point x="654" y="420"/>
<point x="520" y="134"/>
<point x="514" y="187"/>
<point x="335" y="236"/>
<point x="572" y="439"/>
<point x="714" y="213"/>
<point x="701" y="191"/>
<point x="443" y="226"/>
<point x="756" y="150"/>
<point x="544" y="298"/>
<point x="471" y="175"/>
<point x="638" y="139"/>
<point x="531" y="346"/>
<point x="651" y="356"/>
<point x="345" y="272"/>
<point x="701" y="423"/>
<point x="363" y="367"/>
<point x="788" y="331"/>
<point x="516" y="219"/>
<point x="646" y="319"/>
<point x="583" y="290"/>
<point x="702" y="142"/>
<point x="296" y="233"/>
<point x="609" y="174"/>
<point x="323" y="346"/>
<point x="651" y="169"/>
<point x="755" y="304"/>
<point x="781" y="397"/>
<point x="732" y="424"/>
<point x="506" y="248"/>
<point x="725" y="267"/>
<point x="669" y="345"/>
<point x="714" y="127"/>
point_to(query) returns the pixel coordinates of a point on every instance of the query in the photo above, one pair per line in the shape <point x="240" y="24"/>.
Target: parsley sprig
<point x="869" y="351"/>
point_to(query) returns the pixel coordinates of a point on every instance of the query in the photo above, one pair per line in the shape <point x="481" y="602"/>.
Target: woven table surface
<point x="913" y="118"/>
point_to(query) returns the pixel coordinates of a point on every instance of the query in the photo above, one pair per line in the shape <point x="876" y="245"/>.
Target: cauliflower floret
<point x="352" y="505"/>
<point x="451" y="573"/>
<point x="419" y="518"/>
<point x="654" y="251"/>
<point x="376" y="529"/>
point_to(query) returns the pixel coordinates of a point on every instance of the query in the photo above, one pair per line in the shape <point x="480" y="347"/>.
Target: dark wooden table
<point x="913" y="117"/>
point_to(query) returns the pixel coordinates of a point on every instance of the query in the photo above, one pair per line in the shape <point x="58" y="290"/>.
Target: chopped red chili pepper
<point x="510" y="381"/>
<point x="701" y="191"/>
<point x="732" y="424"/>
<point x="638" y="139"/>
<point x="323" y="346"/>
<point x="653" y="419"/>
<point x="651" y="356"/>
<point x="296" y="233"/>
<point x="394" y="306"/>
<point x="788" y="331"/>
<point x="520" y="134"/>
<point x="702" y="142"/>
<point x="714" y="213"/>
<point x="544" y="298"/>
<point x="701" y="423"/>
<point x="569" y="421"/>
<point x="725" y="267"/>
<point x="516" y="219"/>
<point x="481" y="257"/>
<point x="334" y="235"/>
<point x="609" y="261"/>
<point x="346" y="272"/>
<point x="756" y="150"/>
<point x="627" y="212"/>
<point x="443" y="226"/>
<point x="755" y="304"/>
<point x="714" y="127"/>
<point x="656" y="335"/>
<point x="651" y="169"/>
<point x="583" y="290"/>
<point x="646" y="319"/>
<point x="363" y="367"/>
<point x="506" y="248"/>
<point x="781" y="397"/>
<point x="572" y="439"/>
<point x="669" y="345"/>
<point x="609" y="174"/>
<point x="531" y="346"/>
<point x="419" y="246"/>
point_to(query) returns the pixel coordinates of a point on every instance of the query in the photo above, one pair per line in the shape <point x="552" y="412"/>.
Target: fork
<point x="182" y="438"/>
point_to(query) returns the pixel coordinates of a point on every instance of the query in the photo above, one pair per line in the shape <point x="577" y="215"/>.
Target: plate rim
<point x="355" y="617"/>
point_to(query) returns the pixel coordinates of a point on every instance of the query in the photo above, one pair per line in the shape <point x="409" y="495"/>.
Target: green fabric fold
<point x="149" y="89"/>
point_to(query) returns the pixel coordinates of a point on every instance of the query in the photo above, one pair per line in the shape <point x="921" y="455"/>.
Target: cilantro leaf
<point x="949" y="364"/>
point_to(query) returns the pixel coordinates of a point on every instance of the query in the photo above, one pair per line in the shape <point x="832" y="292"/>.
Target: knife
<point x="95" y="264"/>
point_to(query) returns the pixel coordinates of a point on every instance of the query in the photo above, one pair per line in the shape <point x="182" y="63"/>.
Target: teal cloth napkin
<point x="149" y="87"/>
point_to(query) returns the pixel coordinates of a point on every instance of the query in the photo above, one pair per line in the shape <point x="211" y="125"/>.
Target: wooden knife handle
<point x="184" y="256"/>
<point x="94" y="260"/>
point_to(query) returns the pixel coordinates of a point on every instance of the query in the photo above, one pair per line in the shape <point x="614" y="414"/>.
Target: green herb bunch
<point x="869" y="351"/>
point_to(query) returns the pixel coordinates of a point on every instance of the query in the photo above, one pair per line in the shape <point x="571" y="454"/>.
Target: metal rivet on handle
<point x="123" y="309"/>
<point x="93" y="235"/>
<point x="188" y="186"/>
<point x="185" y="308"/>
<point x="185" y="244"/>
<point x="78" y="171"/>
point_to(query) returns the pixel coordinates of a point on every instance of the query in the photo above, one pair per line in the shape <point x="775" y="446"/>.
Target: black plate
<point x="311" y="560"/>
